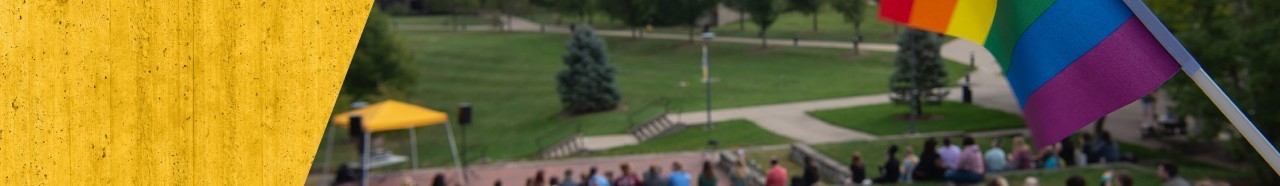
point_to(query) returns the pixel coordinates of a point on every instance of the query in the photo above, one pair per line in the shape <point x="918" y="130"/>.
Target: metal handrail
<point x="661" y="101"/>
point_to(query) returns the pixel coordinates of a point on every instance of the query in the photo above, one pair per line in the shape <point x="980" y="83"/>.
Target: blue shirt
<point x="680" y="178"/>
<point x="995" y="159"/>
<point x="599" y="180"/>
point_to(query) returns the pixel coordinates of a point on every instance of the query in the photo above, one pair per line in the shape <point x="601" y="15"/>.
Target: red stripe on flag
<point x="896" y="10"/>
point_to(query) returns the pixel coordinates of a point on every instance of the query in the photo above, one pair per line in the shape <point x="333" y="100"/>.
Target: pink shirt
<point x="776" y="177"/>
<point x="971" y="160"/>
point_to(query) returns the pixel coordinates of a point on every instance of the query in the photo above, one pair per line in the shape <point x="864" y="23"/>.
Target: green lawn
<point x="873" y="155"/>
<point x="831" y="26"/>
<point x="883" y="119"/>
<point x="440" y="20"/>
<point x="509" y="78"/>
<point x="739" y="133"/>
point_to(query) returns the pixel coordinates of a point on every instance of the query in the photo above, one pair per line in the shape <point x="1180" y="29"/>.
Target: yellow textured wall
<point x="182" y="92"/>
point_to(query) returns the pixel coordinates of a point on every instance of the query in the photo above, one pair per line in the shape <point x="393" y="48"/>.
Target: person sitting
<point x="931" y="166"/>
<point x="678" y="176"/>
<point x="909" y="162"/>
<point x="969" y="168"/>
<point x="708" y="176"/>
<point x="1076" y="180"/>
<point x="950" y="153"/>
<point x="653" y="177"/>
<point x="1051" y="159"/>
<point x="1108" y="149"/>
<point x="597" y="179"/>
<point x="777" y="175"/>
<point x="810" y="176"/>
<point x="1169" y="172"/>
<point x="740" y="176"/>
<point x="889" y="172"/>
<point x="995" y="158"/>
<point x="857" y="170"/>
<point x="1021" y="157"/>
<point x="568" y="178"/>
<point x="628" y="178"/>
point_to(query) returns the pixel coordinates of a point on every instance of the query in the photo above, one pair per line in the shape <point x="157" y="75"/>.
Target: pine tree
<point x="588" y="83"/>
<point x="920" y="78"/>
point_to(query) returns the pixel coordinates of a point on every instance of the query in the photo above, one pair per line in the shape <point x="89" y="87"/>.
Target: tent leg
<point x="413" y="144"/>
<point x="328" y="149"/>
<point x="453" y="147"/>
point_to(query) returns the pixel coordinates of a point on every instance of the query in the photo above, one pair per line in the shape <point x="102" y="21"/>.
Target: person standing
<point x="777" y="175"/>
<point x="1169" y="172"/>
<point x="995" y="157"/>
<point x="931" y="166"/>
<point x="628" y="178"/>
<point x="969" y="168"/>
<point x="950" y="153"/>
<point x="857" y="170"/>
<point x="708" y="176"/>
<point x="889" y="172"/>
<point x="678" y="176"/>
<point x="1067" y="151"/>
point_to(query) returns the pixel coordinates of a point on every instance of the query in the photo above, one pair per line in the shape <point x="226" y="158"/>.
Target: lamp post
<point x="707" y="35"/>
<point x="967" y="91"/>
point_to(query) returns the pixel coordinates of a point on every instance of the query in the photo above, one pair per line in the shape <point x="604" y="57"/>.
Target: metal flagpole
<point x="453" y="147"/>
<point x="413" y="144"/>
<point x="1206" y="84"/>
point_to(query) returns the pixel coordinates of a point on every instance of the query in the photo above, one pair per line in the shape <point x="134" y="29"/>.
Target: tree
<point x="919" y="79"/>
<point x="1235" y="42"/>
<point x="853" y="12"/>
<point x="587" y="85"/>
<point x="808" y="7"/>
<point x="633" y="13"/>
<point x="581" y="8"/>
<point x="684" y="11"/>
<point x="380" y="61"/>
<point x="763" y="14"/>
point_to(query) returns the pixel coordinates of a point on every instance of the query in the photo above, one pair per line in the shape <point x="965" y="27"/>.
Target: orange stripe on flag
<point x="932" y="15"/>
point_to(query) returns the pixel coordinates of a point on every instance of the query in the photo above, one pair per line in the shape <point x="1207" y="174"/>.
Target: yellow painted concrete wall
<point x="214" y="92"/>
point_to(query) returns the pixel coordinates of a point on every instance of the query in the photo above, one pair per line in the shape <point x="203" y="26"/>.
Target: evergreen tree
<point x="919" y="79"/>
<point x="380" y="61"/>
<point x="588" y="83"/>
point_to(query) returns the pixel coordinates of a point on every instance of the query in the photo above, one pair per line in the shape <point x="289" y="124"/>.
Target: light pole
<point x="966" y="91"/>
<point x="707" y="35"/>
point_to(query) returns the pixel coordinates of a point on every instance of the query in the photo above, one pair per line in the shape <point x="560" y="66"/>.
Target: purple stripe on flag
<point x="1124" y="67"/>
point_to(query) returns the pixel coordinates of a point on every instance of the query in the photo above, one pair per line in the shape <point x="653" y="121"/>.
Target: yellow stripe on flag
<point x="972" y="20"/>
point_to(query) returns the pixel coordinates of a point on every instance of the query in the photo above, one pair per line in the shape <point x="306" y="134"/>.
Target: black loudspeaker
<point x="464" y="114"/>
<point x="356" y="127"/>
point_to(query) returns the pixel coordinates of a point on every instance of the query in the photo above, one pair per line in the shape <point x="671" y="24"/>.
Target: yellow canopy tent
<point x="395" y="115"/>
<point x="392" y="115"/>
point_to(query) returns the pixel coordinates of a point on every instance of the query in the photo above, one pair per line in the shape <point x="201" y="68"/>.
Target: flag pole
<point x="1206" y="84"/>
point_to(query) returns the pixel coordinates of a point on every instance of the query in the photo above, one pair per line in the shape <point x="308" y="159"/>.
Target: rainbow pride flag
<point x="1069" y="62"/>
